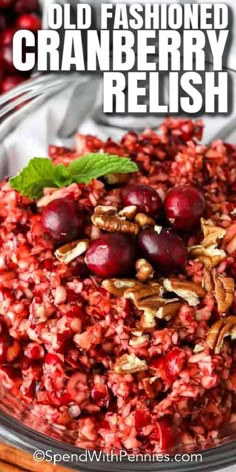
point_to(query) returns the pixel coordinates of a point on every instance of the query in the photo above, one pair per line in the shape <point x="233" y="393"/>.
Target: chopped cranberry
<point x="164" y="248"/>
<point x="174" y="362"/>
<point x="61" y="220"/>
<point x="29" y="21"/>
<point x="111" y="255"/>
<point x="11" y="81"/>
<point x="23" y="6"/>
<point x="143" y="197"/>
<point x="100" y="394"/>
<point x="184" y="207"/>
<point x="142" y="419"/>
<point x="9" y="376"/>
<point x="52" y="359"/>
<point x="34" y="351"/>
<point x="168" y="436"/>
<point x="77" y="388"/>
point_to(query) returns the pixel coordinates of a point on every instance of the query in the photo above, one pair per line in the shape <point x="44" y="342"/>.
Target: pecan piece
<point x="138" y="338"/>
<point x="169" y="310"/>
<point x="114" y="223"/>
<point x="105" y="210"/>
<point x="144" y="270"/>
<point x="208" y="251"/>
<point x="129" y="364"/>
<point x="220" y="330"/>
<point x="185" y="289"/>
<point x="224" y="292"/>
<point x="229" y="242"/>
<point x="118" y="287"/>
<point x="207" y="281"/>
<point x="212" y="233"/>
<point x="144" y="220"/>
<point x="71" y="251"/>
<point x="128" y="212"/>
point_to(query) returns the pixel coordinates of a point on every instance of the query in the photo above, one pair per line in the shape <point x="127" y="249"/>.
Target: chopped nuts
<point x="114" y="223"/>
<point x="189" y="291"/>
<point x="222" y="287"/>
<point x="144" y="270"/>
<point x="138" y="338"/>
<point x="169" y="310"/>
<point x="207" y="251"/>
<point x="144" y="220"/>
<point x="71" y="251"/>
<point x="129" y="364"/>
<point x="229" y="242"/>
<point x="221" y="329"/>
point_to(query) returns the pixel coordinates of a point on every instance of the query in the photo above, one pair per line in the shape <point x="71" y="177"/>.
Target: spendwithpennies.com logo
<point x="99" y="456"/>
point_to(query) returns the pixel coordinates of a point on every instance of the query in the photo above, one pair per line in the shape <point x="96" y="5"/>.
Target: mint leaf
<point x="41" y="173"/>
<point x="38" y="174"/>
<point x="92" y="166"/>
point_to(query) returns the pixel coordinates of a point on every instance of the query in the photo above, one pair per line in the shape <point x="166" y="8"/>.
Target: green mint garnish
<point x="41" y="173"/>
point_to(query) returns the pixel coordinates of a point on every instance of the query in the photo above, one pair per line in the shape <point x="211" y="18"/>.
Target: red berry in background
<point x="164" y="248"/>
<point x="61" y="220"/>
<point x="3" y="22"/>
<point x="184" y="207"/>
<point x="26" y="6"/>
<point x="29" y="21"/>
<point x="7" y="56"/>
<point x="111" y="255"/>
<point x="144" y="197"/>
<point x="6" y="3"/>
<point x="6" y="36"/>
<point x="11" y="81"/>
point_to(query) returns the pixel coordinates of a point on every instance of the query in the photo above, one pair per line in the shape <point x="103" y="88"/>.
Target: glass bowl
<point x="44" y="98"/>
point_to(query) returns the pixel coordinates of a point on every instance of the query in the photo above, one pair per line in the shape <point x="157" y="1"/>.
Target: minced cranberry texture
<point x="117" y="297"/>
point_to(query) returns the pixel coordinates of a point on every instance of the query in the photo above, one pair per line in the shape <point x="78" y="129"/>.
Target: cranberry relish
<point x="123" y="351"/>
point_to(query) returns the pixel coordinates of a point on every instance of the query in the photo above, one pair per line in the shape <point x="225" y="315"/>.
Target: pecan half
<point x="224" y="292"/>
<point x="105" y="210"/>
<point x="129" y="364"/>
<point x="114" y="223"/>
<point x="222" y="287"/>
<point x="144" y="220"/>
<point x="144" y="270"/>
<point x="229" y="242"/>
<point x="185" y="289"/>
<point x="219" y="331"/>
<point x="71" y="251"/>
<point x="208" y="251"/>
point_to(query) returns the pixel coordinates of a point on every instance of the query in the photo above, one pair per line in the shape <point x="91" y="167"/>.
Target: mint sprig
<point x="41" y="173"/>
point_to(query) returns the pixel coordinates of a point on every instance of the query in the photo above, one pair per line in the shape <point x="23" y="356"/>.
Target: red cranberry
<point x="111" y="255"/>
<point x="142" y="419"/>
<point x="7" y="56"/>
<point x="174" y="362"/>
<point x="144" y="197"/>
<point x="26" y="6"/>
<point x="11" y="81"/>
<point x="34" y="351"/>
<point x="100" y="394"/>
<point x="6" y="3"/>
<point x="61" y="220"/>
<point x="3" y="22"/>
<point x="6" y="37"/>
<point x="184" y="206"/>
<point x="164" y="248"/>
<point x="29" y="21"/>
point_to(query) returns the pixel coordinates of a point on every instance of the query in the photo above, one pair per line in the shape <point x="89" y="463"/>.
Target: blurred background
<point x="15" y="15"/>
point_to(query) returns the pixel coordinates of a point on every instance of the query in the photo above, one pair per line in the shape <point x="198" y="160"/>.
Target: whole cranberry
<point x="184" y="207"/>
<point x="7" y="57"/>
<point x="26" y="6"/>
<point x="11" y="81"/>
<point x="144" y="197"/>
<point x="164" y="248"/>
<point x="29" y="21"/>
<point x="3" y="22"/>
<point x="6" y="36"/>
<point x="61" y="220"/>
<point x="111" y="255"/>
